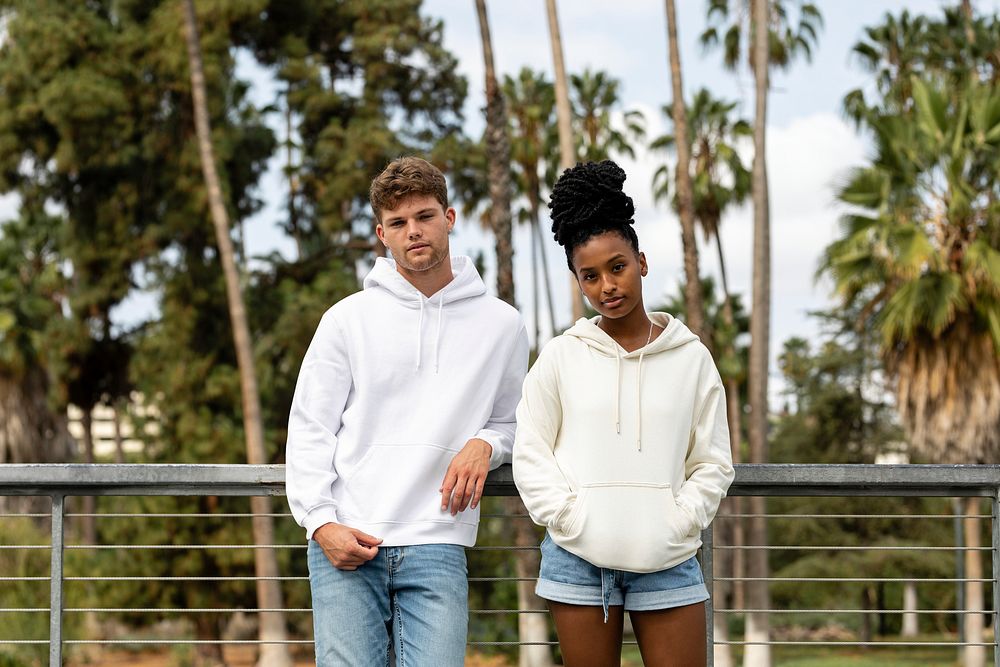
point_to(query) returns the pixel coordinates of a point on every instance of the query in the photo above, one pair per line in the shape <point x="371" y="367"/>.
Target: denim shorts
<point x="567" y="578"/>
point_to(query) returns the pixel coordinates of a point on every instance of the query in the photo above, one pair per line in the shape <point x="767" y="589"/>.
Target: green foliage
<point x="790" y="33"/>
<point x="24" y="594"/>
<point x="364" y="82"/>
<point x="719" y="178"/>
<point x="594" y="96"/>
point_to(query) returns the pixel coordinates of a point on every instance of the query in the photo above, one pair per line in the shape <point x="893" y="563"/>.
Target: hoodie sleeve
<point x="708" y="467"/>
<point x="499" y="430"/>
<point x="544" y="489"/>
<point x="321" y="393"/>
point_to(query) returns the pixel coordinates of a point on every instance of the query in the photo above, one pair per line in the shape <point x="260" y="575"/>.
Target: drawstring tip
<point x="638" y="444"/>
<point x="618" y="428"/>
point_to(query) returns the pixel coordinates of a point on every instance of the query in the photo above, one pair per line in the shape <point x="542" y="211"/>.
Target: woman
<point x="622" y="447"/>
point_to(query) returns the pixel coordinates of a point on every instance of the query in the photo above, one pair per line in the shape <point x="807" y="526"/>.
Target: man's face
<point x="416" y="232"/>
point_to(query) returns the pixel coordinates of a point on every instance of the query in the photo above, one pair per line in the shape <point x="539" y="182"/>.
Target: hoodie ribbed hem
<point x="418" y="532"/>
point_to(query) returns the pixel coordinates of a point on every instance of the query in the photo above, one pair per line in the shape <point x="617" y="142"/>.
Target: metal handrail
<point x="59" y="481"/>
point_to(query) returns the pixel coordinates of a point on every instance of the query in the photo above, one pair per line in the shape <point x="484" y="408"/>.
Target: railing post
<point x="995" y="520"/>
<point x="707" y="566"/>
<point x="958" y="507"/>
<point x="56" y="582"/>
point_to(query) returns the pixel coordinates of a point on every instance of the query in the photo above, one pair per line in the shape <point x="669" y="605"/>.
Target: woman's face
<point x="610" y="273"/>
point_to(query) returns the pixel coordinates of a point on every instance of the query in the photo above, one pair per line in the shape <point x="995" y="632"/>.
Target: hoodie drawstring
<point x="437" y="343"/>
<point x="420" y="334"/>
<point x="638" y="390"/>
<point x="618" y="391"/>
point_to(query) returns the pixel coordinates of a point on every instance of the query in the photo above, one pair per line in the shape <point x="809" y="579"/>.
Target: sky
<point x="810" y="147"/>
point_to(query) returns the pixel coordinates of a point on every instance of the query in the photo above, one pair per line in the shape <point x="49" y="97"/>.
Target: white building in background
<point x="106" y="430"/>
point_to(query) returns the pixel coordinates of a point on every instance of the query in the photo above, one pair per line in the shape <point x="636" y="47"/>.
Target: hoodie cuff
<point x="318" y="518"/>
<point x="497" y="457"/>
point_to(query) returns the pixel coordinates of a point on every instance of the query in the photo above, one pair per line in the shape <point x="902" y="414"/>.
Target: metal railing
<point x="61" y="482"/>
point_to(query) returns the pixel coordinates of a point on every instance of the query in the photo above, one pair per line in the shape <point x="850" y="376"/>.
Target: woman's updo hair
<point x="588" y="200"/>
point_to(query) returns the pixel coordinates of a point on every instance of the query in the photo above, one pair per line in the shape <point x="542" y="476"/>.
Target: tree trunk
<point x="116" y="416"/>
<point x="734" y="415"/>
<point x="293" y="181"/>
<point x="911" y="625"/>
<point x="88" y="528"/>
<point x="498" y="159"/>
<point x="536" y="230"/>
<point x="973" y="656"/>
<point x="564" y="119"/>
<point x="685" y="195"/>
<point x="758" y="624"/>
<point x="535" y="306"/>
<point x="531" y="627"/>
<point x="272" y="624"/>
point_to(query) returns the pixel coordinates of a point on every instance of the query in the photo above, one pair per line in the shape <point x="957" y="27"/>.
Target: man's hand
<point x="347" y="548"/>
<point x="466" y="476"/>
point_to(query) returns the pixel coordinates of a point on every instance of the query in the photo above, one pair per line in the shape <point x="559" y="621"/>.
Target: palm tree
<point x="696" y="316"/>
<point x="564" y="117"/>
<point x="272" y="623"/>
<point x="731" y="22"/>
<point x="532" y="104"/>
<point x="498" y="161"/>
<point x="719" y="178"/>
<point x="595" y="96"/>
<point x="922" y="257"/>
<point x="532" y="627"/>
<point x="892" y="52"/>
<point x="719" y="181"/>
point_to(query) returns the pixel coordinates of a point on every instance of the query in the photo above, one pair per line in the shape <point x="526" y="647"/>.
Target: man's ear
<point x="450" y="216"/>
<point x="380" y="233"/>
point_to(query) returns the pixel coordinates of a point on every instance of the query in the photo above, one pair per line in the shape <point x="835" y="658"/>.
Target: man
<point x="404" y="402"/>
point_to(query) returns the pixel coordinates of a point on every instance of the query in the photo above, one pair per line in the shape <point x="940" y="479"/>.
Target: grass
<point x="835" y="656"/>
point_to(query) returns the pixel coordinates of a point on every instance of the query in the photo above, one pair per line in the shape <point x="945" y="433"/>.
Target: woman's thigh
<point x="671" y="637"/>
<point x="585" y="638"/>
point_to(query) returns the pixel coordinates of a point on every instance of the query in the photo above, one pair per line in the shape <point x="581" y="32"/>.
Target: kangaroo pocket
<point x="397" y="484"/>
<point x="628" y="526"/>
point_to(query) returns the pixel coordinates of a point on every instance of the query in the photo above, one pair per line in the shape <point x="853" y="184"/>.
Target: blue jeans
<point x="414" y="598"/>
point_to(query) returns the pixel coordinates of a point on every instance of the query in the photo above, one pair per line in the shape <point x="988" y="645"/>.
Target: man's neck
<point x="431" y="281"/>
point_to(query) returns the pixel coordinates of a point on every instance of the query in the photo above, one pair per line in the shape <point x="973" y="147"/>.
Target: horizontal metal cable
<point x="25" y="578"/>
<point x="852" y="611"/>
<point x="18" y="610"/>
<point x="24" y="641"/>
<point x="800" y="547"/>
<point x="131" y="547"/>
<point x="178" y="515"/>
<point x="186" y="610"/>
<point x="156" y="642"/>
<point x="233" y="578"/>
<point x="24" y="546"/>
<point x="825" y="643"/>
<point x="853" y="516"/>
<point x="859" y="580"/>
<point x="32" y="515"/>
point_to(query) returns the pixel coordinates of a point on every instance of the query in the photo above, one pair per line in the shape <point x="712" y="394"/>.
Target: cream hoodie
<point x="621" y="482"/>
<point x="392" y="387"/>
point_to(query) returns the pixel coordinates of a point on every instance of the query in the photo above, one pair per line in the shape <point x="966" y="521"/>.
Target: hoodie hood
<point x="465" y="284"/>
<point x="674" y="335"/>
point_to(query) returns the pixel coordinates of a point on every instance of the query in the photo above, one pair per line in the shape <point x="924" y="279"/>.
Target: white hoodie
<point x="392" y="387"/>
<point x="621" y="482"/>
